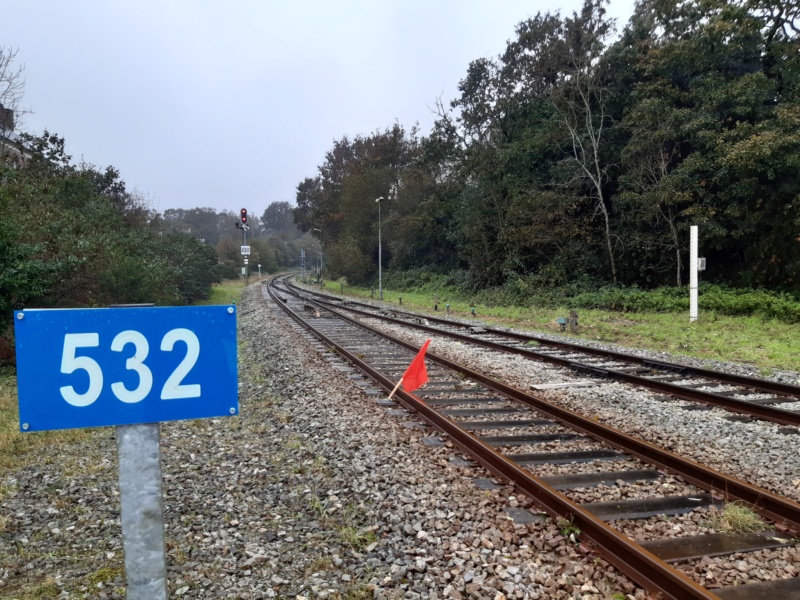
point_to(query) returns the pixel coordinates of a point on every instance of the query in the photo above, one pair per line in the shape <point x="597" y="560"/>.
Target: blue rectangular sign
<point x="120" y="366"/>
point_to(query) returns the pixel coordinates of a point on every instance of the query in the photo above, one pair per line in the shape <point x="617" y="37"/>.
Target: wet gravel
<point x="315" y="492"/>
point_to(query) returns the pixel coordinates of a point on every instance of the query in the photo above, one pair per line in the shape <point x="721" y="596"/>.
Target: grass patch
<point x="735" y="517"/>
<point x="341" y="521"/>
<point x="318" y="565"/>
<point x="38" y="591"/>
<point x="105" y="575"/>
<point x="359" y="591"/>
<point x="17" y="448"/>
<point x="568" y="528"/>
<point x="318" y="507"/>
<point x="227" y="292"/>
<point x="356" y="538"/>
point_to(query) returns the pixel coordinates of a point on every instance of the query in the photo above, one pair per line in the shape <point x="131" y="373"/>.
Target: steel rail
<point x="639" y="564"/>
<point x="777" y="508"/>
<point x="645" y="568"/>
<point x="767" y="413"/>
<point x="757" y="384"/>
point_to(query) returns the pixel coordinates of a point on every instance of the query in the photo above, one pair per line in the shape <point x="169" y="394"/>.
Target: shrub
<point x="587" y="293"/>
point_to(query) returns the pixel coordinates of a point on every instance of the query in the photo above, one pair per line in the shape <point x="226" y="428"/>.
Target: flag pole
<point x="395" y="388"/>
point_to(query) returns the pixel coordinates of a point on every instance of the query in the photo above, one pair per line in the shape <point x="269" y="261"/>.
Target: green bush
<point x="422" y="281"/>
<point x="761" y="303"/>
<point x="711" y="298"/>
<point x="587" y="293"/>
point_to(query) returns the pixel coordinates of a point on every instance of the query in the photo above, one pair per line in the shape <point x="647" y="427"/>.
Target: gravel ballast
<point x="754" y="451"/>
<point x="314" y="491"/>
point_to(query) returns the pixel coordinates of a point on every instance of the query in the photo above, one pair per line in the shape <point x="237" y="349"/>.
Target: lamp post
<point x="380" y="263"/>
<point x="392" y="196"/>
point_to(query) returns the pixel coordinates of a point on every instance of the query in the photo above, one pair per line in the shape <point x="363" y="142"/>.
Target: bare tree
<point x="12" y="88"/>
<point x="580" y="101"/>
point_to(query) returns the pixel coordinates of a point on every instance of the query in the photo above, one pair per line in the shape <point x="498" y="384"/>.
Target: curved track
<point x="748" y="397"/>
<point x="518" y="436"/>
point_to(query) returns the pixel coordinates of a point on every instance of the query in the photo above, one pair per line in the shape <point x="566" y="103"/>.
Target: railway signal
<point x="242" y="224"/>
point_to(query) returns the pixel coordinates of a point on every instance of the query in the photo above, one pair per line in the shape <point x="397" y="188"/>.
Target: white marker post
<point x="693" y="274"/>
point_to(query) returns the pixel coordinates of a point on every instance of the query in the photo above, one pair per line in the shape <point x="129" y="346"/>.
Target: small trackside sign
<point x="121" y="366"/>
<point x="245" y="250"/>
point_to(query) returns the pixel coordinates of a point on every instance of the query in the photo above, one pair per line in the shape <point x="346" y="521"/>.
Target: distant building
<point x="12" y="149"/>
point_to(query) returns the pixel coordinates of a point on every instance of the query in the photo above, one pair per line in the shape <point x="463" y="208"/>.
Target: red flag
<point x="416" y="375"/>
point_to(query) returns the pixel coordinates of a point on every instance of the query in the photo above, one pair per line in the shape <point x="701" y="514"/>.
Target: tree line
<point x="74" y="235"/>
<point x="577" y="156"/>
<point x="275" y="241"/>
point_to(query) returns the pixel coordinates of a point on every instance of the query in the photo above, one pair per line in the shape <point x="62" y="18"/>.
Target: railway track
<point x="747" y="397"/>
<point x="551" y="454"/>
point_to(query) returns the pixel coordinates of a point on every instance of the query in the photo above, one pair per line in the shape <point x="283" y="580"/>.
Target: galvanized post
<point x="573" y="321"/>
<point x="139" y="455"/>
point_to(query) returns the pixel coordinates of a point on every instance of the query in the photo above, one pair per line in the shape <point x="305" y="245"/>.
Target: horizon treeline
<point x="577" y="156"/>
<point x="75" y="236"/>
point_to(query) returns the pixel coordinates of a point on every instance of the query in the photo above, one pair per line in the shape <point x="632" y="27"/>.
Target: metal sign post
<point x="142" y="515"/>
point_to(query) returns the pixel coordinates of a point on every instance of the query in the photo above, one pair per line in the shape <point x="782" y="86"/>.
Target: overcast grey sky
<point x="231" y="104"/>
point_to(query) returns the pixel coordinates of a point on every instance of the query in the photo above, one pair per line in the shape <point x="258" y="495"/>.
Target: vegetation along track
<point x="748" y="397"/>
<point x="520" y="438"/>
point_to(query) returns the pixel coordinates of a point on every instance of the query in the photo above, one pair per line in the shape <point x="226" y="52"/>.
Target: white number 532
<point x="172" y="389"/>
